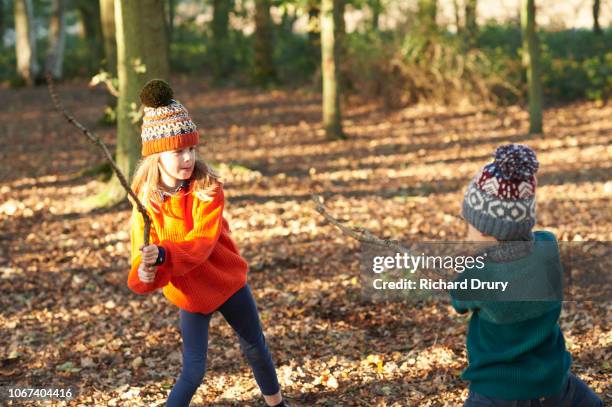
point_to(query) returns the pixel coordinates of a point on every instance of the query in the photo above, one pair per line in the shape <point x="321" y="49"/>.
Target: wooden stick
<point x="362" y="234"/>
<point x="97" y="141"/>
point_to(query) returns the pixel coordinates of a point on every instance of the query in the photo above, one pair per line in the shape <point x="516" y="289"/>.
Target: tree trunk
<point x="264" y="43"/>
<point x="57" y="39"/>
<point x="339" y="22"/>
<point x="220" y="22"/>
<point x="531" y="62"/>
<point x="314" y="29"/>
<point x="457" y="17"/>
<point x="341" y="46"/>
<point x="171" y="12"/>
<point x="332" y="120"/>
<point x="141" y="56"/>
<point x="427" y="14"/>
<point x="596" y="26"/>
<point x="2" y="26"/>
<point x="220" y="34"/>
<point x="25" y="42"/>
<point x="288" y="20"/>
<point x="376" y="9"/>
<point x="471" y="27"/>
<point x="89" y="11"/>
<point x="107" y="18"/>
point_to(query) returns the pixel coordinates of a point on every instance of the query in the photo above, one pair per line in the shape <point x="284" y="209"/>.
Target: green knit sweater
<point x="516" y="350"/>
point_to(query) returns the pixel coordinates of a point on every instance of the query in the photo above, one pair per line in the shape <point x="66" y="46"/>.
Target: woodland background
<point x="384" y="107"/>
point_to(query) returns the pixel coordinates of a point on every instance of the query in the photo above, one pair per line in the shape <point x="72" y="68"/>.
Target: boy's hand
<point x="146" y="274"/>
<point x="149" y="254"/>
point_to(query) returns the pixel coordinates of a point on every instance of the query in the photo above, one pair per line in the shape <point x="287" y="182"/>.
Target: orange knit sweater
<point x="203" y="266"/>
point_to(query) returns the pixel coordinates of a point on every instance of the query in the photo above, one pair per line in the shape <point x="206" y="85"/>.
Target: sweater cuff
<point x="161" y="256"/>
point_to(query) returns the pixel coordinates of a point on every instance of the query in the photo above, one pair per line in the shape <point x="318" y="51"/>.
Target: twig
<point x="362" y="234"/>
<point x="104" y="77"/>
<point x="97" y="141"/>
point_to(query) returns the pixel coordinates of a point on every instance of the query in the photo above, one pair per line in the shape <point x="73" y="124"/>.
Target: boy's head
<point x="166" y="124"/>
<point x="500" y="199"/>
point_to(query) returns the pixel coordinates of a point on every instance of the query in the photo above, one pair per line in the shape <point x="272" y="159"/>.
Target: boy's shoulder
<point x="544" y="235"/>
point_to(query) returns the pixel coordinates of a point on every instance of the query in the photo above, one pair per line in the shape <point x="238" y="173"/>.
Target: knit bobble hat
<point x="500" y="199"/>
<point x="166" y="124"/>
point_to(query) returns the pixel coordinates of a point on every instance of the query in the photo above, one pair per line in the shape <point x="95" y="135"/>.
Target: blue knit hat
<point x="500" y="199"/>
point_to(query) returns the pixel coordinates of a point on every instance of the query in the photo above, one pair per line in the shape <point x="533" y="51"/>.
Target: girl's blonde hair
<point x="146" y="180"/>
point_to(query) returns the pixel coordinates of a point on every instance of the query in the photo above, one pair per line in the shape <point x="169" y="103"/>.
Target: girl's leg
<point x="240" y="312"/>
<point x="194" y="330"/>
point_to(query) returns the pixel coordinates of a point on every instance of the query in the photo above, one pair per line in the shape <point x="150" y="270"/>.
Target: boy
<point x="516" y="351"/>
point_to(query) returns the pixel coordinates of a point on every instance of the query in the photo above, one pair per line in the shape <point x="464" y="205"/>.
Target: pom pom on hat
<point x="515" y="161"/>
<point x="156" y="93"/>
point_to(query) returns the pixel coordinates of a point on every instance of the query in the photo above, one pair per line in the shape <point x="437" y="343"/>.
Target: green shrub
<point x="193" y="51"/>
<point x="599" y="73"/>
<point x="295" y="58"/>
<point x="409" y="65"/>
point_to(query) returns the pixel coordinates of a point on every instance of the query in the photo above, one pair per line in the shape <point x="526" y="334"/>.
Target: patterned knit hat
<point x="500" y="200"/>
<point x="166" y="124"/>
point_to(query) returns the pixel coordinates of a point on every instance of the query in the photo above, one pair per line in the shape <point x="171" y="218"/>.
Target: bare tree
<point x="2" y="26"/>
<point x="107" y="18"/>
<point x="220" y="35"/>
<point x="314" y="19"/>
<point x="57" y="39"/>
<point x="427" y="13"/>
<point x="25" y="41"/>
<point x="89" y="11"/>
<point x="171" y="12"/>
<point x="596" y="27"/>
<point x="141" y="56"/>
<point x="471" y="27"/>
<point x="457" y="16"/>
<point x="264" y="44"/>
<point x="376" y="8"/>
<point x="531" y="62"/>
<point x="332" y="117"/>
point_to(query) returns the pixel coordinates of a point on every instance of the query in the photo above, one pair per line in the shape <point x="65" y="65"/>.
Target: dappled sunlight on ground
<point x="70" y="318"/>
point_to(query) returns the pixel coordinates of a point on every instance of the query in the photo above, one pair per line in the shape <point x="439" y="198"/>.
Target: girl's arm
<point x="136" y="238"/>
<point x="193" y="251"/>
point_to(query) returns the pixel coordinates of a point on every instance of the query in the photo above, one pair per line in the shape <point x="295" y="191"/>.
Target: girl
<point x="191" y="255"/>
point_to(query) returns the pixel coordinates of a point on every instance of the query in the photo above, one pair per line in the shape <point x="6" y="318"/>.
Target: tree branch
<point x="363" y="235"/>
<point x="98" y="142"/>
<point x="105" y="78"/>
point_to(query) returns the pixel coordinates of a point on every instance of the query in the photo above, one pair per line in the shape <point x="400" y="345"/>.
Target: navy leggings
<point x="575" y="393"/>
<point x="240" y="312"/>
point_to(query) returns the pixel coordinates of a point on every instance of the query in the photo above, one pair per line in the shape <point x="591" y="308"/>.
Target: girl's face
<point x="177" y="165"/>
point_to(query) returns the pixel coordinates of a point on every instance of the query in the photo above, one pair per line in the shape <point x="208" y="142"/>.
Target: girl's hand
<point x="146" y="274"/>
<point x="149" y="254"/>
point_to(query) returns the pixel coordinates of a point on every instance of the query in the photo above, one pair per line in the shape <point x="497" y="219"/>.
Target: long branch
<point x="362" y="234"/>
<point x="97" y="141"/>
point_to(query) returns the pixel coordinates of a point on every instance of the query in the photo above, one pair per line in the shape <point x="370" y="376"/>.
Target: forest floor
<point x="68" y="318"/>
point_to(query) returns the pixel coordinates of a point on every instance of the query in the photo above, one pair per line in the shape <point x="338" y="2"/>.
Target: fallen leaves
<point x="400" y="174"/>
